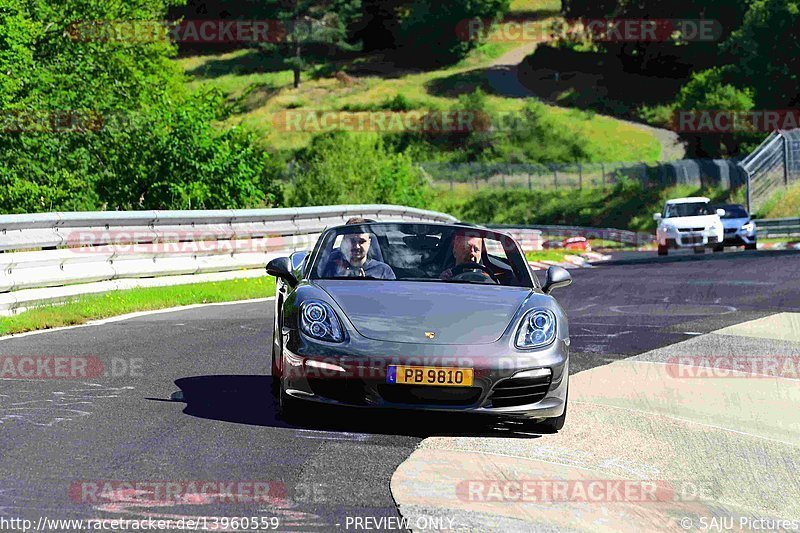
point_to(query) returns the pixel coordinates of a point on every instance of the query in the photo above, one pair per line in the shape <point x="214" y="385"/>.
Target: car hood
<point x="734" y="222"/>
<point x="398" y="311"/>
<point x="702" y="221"/>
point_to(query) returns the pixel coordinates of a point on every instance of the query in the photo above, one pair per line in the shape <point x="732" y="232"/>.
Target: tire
<point x="718" y="249"/>
<point x="556" y="424"/>
<point x="752" y="246"/>
<point x="275" y="357"/>
<point x="663" y="250"/>
<point x="290" y="409"/>
<point x="699" y="250"/>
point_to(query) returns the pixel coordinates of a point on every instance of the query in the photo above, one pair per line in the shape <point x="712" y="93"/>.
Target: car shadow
<point x="248" y="400"/>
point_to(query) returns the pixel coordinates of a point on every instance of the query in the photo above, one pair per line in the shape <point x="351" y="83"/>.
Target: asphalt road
<point x="189" y="401"/>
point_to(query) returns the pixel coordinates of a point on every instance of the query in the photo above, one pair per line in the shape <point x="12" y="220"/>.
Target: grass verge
<point x="98" y="306"/>
<point x="550" y="255"/>
<point x="783" y="204"/>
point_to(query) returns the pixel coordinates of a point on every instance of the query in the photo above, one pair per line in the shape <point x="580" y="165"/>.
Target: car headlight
<point x="749" y="227"/>
<point x="669" y="228"/>
<point x="538" y="328"/>
<point x="319" y="321"/>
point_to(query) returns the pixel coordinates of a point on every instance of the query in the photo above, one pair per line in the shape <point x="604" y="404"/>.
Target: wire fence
<point x="576" y="176"/>
<point x="773" y="167"/>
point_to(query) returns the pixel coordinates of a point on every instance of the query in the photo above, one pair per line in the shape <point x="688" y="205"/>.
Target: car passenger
<point x="352" y="260"/>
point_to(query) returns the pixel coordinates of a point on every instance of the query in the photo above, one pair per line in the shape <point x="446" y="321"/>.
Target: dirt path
<point x="503" y="77"/>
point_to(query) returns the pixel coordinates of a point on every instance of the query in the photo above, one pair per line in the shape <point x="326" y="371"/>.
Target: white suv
<point x="689" y="223"/>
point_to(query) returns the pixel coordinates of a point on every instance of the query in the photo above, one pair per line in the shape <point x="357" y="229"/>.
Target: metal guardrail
<point x="778" y="227"/>
<point x="53" y="257"/>
<point x="571" y="176"/>
<point x="627" y="237"/>
<point x="767" y="228"/>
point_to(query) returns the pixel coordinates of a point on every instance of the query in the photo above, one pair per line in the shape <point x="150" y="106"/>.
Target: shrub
<point x="355" y="168"/>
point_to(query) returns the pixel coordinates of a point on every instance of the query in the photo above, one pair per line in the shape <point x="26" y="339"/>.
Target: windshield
<point x="734" y="211"/>
<point x="420" y="252"/>
<point x="688" y="210"/>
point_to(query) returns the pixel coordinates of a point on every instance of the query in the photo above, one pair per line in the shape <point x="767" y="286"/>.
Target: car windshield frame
<point x="515" y="258"/>
<point x="677" y="206"/>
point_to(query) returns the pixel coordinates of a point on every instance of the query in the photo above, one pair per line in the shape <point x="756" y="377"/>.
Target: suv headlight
<point x="749" y="227"/>
<point x="538" y="328"/>
<point x="319" y="321"/>
<point x="670" y="228"/>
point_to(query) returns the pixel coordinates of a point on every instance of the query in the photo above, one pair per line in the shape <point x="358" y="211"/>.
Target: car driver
<point x="466" y="249"/>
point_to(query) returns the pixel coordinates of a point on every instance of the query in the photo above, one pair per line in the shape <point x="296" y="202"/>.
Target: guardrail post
<point x="555" y="177"/>
<point x="580" y="176"/>
<point x="749" y="209"/>
<point x="603" y="170"/>
<point x="530" y="187"/>
<point x="785" y="161"/>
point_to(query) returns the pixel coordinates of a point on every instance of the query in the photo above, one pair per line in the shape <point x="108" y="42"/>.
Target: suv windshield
<point x="420" y="252"/>
<point x="688" y="210"/>
<point x="734" y="211"/>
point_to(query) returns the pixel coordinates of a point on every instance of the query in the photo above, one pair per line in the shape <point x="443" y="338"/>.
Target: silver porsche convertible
<point x="419" y="316"/>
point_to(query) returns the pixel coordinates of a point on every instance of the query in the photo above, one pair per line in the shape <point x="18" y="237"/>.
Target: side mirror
<point x="721" y="212"/>
<point x="657" y="217"/>
<point x="281" y="267"/>
<point x="556" y="277"/>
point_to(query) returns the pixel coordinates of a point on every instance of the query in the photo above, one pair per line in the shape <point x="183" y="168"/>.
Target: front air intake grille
<point x="426" y="395"/>
<point x="349" y="391"/>
<point x="520" y="391"/>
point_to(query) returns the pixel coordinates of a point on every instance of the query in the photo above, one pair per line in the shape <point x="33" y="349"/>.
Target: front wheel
<point x="276" y="371"/>
<point x="289" y="409"/>
<point x="751" y="246"/>
<point x="557" y="423"/>
<point x="718" y="249"/>
<point x="699" y="250"/>
<point x="663" y="250"/>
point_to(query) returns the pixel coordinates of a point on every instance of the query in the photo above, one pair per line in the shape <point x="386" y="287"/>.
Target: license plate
<point x="429" y="375"/>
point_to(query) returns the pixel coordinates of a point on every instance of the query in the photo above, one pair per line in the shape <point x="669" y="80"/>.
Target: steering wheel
<point x="463" y="267"/>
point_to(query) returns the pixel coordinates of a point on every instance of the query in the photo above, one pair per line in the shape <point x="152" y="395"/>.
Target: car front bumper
<point x="682" y="239"/>
<point x="739" y="238"/>
<point x="360" y="380"/>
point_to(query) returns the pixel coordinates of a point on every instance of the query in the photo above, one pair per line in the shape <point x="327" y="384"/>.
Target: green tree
<point x="140" y="140"/>
<point x="312" y="23"/>
<point x="714" y="90"/>
<point x="767" y="51"/>
<point x="428" y="29"/>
